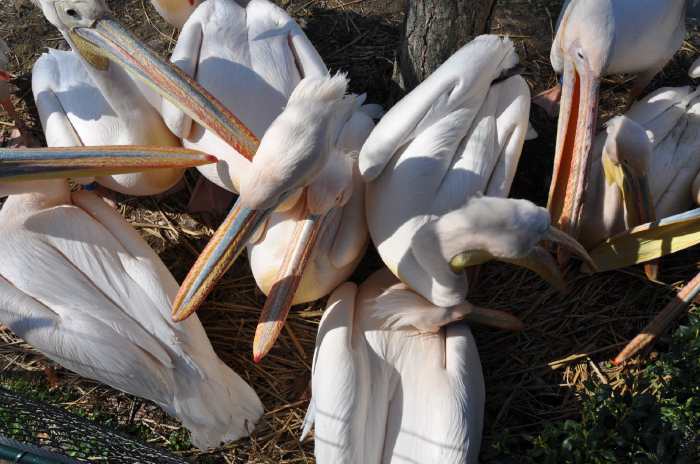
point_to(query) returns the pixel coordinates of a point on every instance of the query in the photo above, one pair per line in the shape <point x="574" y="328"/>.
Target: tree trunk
<point x="433" y="31"/>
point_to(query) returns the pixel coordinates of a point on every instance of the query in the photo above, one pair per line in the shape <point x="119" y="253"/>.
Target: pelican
<point x="391" y="380"/>
<point x="389" y="386"/>
<point x="90" y="98"/>
<point x="596" y="38"/>
<point x="458" y="134"/>
<point x="252" y="56"/>
<point x="645" y="177"/>
<point x="80" y="284"/>
<point x="304" y="168"/>
<point x="645" y="180"/>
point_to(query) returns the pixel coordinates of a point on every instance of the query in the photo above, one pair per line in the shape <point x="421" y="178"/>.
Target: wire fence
<point x="42" y="433"/>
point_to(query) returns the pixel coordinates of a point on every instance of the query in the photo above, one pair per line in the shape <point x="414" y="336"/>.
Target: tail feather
<point x="218" y="408"/>
<point x="309" y="420"/>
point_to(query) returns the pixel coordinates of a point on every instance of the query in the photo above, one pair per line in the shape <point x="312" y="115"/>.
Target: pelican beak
<point x="649" y="241"/>
<point x="49" y="163"/>
<point x="490" y="318"/>
<point x="636" y="194"/>
<point x="537" y="259"/>
<point x="660" y="323"/>
<point x="217" y="258"/>
<point x="575" y="133"/>
<point x="107" y="40"/>
<point x="281" y="296"/>
<point x="5" y="76"/>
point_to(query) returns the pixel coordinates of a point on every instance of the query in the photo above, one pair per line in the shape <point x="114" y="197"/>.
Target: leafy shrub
<point x="655" y="420"/>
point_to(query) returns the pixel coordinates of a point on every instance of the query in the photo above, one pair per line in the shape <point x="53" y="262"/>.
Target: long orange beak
<point x="24" y="164"/>
<point x="661" y="322"/>
<point x="575" y="133"/>
<point x="107" y="40"/>
<point x="218" y="256"/>
<point x="279" y="301"/>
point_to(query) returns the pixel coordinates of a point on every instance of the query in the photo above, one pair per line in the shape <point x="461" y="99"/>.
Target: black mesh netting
<point x="57" y="431"/>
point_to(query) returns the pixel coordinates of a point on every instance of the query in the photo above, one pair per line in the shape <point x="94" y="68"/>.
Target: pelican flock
<point x="319" y="175"/>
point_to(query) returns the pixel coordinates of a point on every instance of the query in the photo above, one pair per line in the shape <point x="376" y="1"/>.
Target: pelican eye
<point x="73" y="13"/>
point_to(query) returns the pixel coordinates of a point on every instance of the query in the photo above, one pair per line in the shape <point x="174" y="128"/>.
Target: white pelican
<point x="645" y="177"/>
<point x="644" y="168"/>
<point x="389" y="383"/>
<point x="596" y="38"/>
<point x="318" y="239"/>
<point x="90" y="101"/>
<point x="252" y="55"/>
<point x="81" y="105"/>
<point x="457" y="134"/>
<point x="80" y="284"/>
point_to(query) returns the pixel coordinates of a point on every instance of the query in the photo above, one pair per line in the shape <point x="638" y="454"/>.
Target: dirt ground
<point x="532" y="377"/>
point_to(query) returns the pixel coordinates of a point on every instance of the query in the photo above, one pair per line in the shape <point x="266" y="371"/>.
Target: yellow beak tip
<point x="178" y="315"/>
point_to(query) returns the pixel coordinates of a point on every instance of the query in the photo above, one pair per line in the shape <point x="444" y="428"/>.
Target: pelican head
<point x="581" y="51"/>
<point x="100" y="40"/>
<point x="491" y="228"/>
<point x="297" y="145"/>
<point x="626" y="158"/>
<point x="176" y="12"/>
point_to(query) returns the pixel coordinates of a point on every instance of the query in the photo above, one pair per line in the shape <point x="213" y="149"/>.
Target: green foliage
<point x="656" y="420"/>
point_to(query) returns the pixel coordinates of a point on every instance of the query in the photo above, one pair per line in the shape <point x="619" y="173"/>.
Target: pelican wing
<point x="308" y="61"/>
<point x="341" y="385"/>
<point x="434" y="381"/>
<point x="68" y="102"/>
<point x="86" y="344"/>
<point x="676" y="137"/>
<point x="68" y="291"/>
<point x="461" y="83"/>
